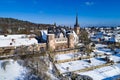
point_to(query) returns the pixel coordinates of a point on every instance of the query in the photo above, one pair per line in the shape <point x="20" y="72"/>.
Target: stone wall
<point x="6" y="51"/>
<point x="60" y="40"/>
<point x="70" y="40"/>
<point x="51" y="42"/>
<point x="60" y="43"/>
<point x="77" y="30"/>
<point x="23" y="49"/>
<point x="61" y="46"/>
<point x="67" y="51"/>
<point x="37" y="47"/>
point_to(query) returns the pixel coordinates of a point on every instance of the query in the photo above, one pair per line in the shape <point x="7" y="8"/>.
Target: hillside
<point x="11" y="22"/>
<point x="15" y="26"/>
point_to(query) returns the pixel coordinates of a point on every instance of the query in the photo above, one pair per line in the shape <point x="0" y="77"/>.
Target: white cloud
<point x="89" y="3"/>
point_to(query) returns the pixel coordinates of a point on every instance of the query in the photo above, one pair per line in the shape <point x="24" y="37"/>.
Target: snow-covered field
<point x="104" y="73"/>
<point x="11" y="70"/>
<point x="115" y="57"/>
<point x="100" y="45"/>
<point x="67" y="56"/>
<point x="117" y="50"/>
<point x="73" y="66"/>
<point x="79" y="64"/>
<point x="102" y="49"/>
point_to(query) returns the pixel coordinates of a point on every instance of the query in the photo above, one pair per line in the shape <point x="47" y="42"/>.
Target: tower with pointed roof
<point x="76" y="26"/>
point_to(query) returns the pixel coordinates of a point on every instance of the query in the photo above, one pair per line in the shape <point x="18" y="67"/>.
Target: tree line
<point x="11" y="25"/>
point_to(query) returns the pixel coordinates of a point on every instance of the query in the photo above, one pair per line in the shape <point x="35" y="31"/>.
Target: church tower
<point x="76" y="26"/>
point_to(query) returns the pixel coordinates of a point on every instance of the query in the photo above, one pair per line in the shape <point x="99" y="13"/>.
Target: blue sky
<point x="63" y="12"/>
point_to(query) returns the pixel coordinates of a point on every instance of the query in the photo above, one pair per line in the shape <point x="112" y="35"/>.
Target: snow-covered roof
<point x="16" y="40"/>
<point x="44" y="34"/>
<point x="75" y="37"/>
<point x="80" y="44"/>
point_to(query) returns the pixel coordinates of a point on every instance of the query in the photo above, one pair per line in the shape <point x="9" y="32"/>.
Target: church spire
<point x="76" y="23"/>
<point x="76" y="26"/>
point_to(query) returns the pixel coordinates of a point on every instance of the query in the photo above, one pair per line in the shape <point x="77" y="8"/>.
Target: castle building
<point x="76" y="26"/>
<point x="58" y="38"/>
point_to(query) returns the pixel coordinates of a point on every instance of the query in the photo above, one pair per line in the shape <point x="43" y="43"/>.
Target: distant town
<point x="30" y="51"/>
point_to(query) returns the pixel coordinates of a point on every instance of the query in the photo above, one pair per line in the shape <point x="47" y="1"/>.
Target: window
<point x="42" y="49"/>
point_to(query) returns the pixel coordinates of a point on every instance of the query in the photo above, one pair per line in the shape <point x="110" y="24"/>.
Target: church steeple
<point x="76" y="24"/>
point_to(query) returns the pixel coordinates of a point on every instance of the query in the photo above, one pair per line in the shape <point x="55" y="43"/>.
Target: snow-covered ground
<point x="16" y="40"/>
<point x="102" y="49"/>
<point x="12" y="70"/>
<point x="117" y="50"/>
<point x="115" y="57"/>
<point x="104" y="73"/>
<point x="100" y="45"/>
<point x="67" y="56"/>
<point x="73" y="66"/>
<point x="79" y="64"/>
<point x="51" y="73"/>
